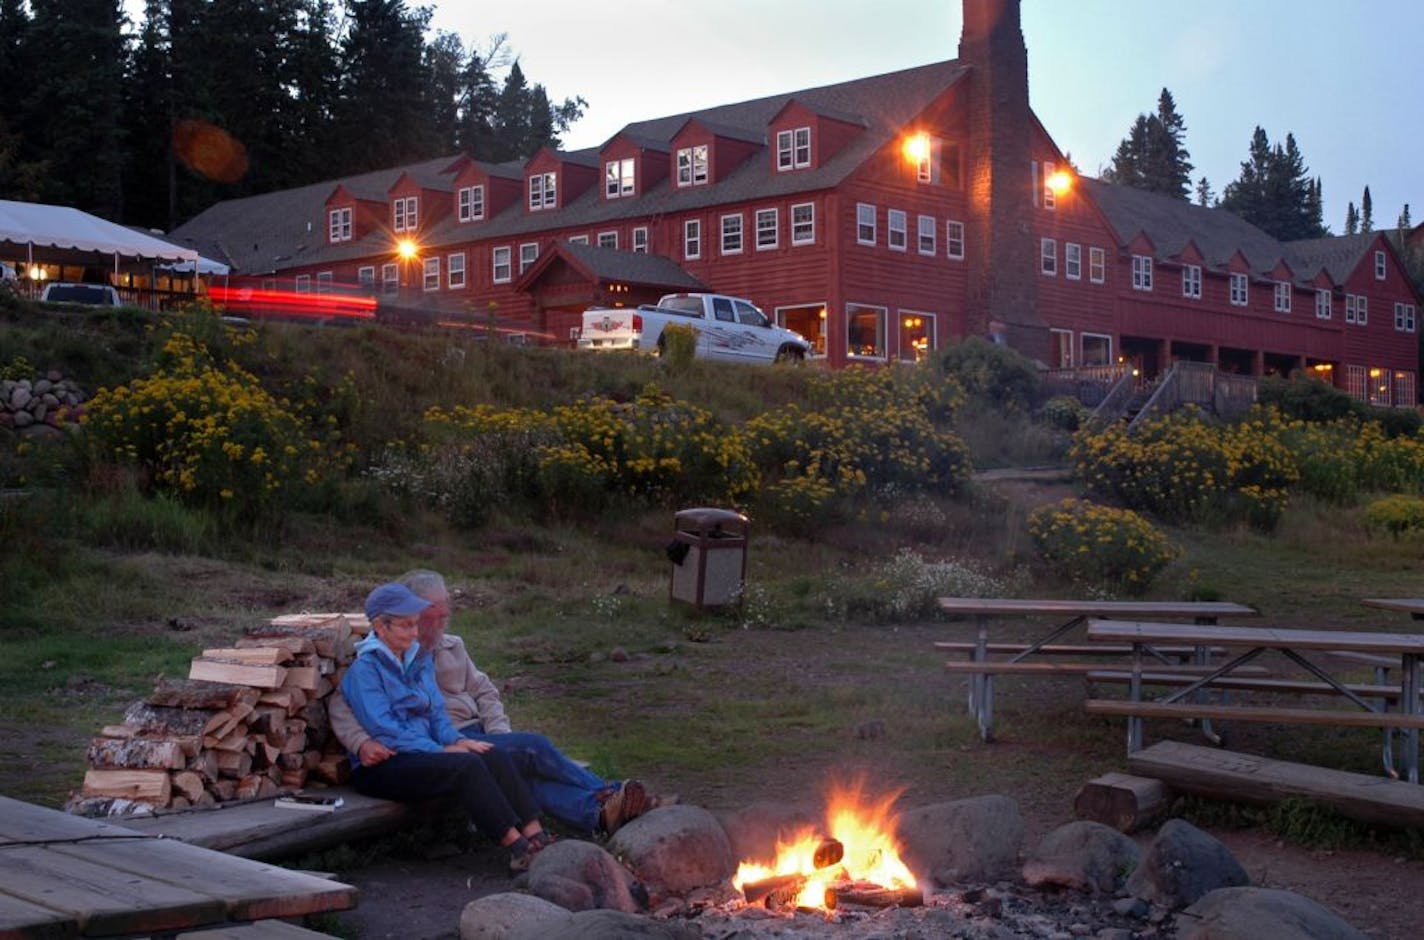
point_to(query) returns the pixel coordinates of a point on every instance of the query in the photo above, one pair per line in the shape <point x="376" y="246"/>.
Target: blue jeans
<point x="566" y="790"/>
<point x="489" y="787"/>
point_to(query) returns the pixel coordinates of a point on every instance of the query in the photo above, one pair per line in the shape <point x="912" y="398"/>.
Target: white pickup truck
<point x="728" y="328"/>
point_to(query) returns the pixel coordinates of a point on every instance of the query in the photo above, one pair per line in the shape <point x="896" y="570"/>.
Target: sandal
<point x="521" y="855"/>
<point x="630" y="802"/>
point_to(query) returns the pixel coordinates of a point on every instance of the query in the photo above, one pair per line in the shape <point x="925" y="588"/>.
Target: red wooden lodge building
<point x="881" y="217"/>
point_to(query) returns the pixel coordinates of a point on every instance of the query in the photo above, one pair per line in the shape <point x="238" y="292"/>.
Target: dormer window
<point x="793" y="149"/>
<point x="692" y="165"/>
<point x="472" y="203"/>
<point x="405" y="216"/>
<point x="338" y="224"/>
<point x="543" y="191"/>
<point x="618" y="178"/>
<point x="1381" y="269"/>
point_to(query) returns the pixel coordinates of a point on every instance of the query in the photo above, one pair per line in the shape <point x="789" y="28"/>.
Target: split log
<point x="223" y="790"/>
<point x="222" y="723"/>
<point x="294" y="736"/>
<point x="290" y="699"/>
<point x="234" y="740"/>
<point x="136" y="753"/>
<point x="102" y="806"/>
<point x="234" y="764"/>
<point x="330" y="638"/>
<point x="335" y="770"/>
<point x="189" y="785"/>
<point x="270" y="720"/>
<point x="1123" y="801"/>
<point x="251" y="655"/>
<point x="162" y="720"/>
<point x="324" y="687"/>
<point x="777" y="893"/>
<point x="249" y="787"/>
<point x="828" y="853"/>
<point x="310" y="759"/>
<point x="295" y="779"/>
<point x="206" y="800"/>
<point x="205" y="765"/>
<point x="119" y="732"/>
<point x="870" y="895"/>
<point x="267" y="788"/>
<point x="290" y="762"/>
<point x="180" y="802"/>
<point x="300" y="677"/>
<point x="194" y="693"/>
<point x="297" y="645"/>
<point x="151" y="786"/>
<point x="257" y="676"/>
<point x="266" y="755"/>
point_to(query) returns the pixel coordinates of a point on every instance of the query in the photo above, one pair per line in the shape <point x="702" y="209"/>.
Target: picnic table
<point x="1413" y="606"/>
<point x="68" y="876"/>
<point x="986" y="609"/>
<point x="1300" y="647"/>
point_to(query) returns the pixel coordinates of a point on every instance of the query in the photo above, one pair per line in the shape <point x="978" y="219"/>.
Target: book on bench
<point x="309" y="803"/>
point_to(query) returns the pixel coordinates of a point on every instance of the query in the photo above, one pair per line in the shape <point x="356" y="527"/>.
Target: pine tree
<point x="1205" y="197"/>
<point x="1152" y="156"/>
<point x="22" y="167"/>
<point x="1404" y="223"/>
<point x="478" y="100"/>
<point x="1367" y="213"/>
<point x="1274" y="191"/>
<point x="148" y="117"/>
<point x="1352" y="220"/>
<point x="380" y="118"/>
<point x="445" y="66"/>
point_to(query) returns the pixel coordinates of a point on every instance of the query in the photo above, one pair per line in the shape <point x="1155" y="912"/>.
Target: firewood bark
<point x="223" y="790"/>
<point x="758" y="892"/>
<point x="332" y="638"/>
<point x="297" y="645"/>
<point x="1123" y="801"/>
<point x="163" y="720"/>
<point x="875" y="896"/>
<point x="301" y="677"/>
<point x="194" y="693"/>
<point x="189" y="784"/>
<point x="234" y="764"/>
<point x="136" y="753"/>
<point x="249" y="787"/>
<point x="292" y="700"/>
<point x="117" y="731"/>
<point x="251" y="655"/>
<point x="153" y="786"/>
<point x="205" y="765"/>
<point x="295" y="779"/>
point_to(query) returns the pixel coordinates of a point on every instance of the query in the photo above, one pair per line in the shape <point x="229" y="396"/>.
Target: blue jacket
<point x="397" y="702"/>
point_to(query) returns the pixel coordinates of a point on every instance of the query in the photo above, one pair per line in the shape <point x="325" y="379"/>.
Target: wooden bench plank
<point x="1238" y="682"/>
<point x="1044" y="607"/>
<point x="1065" y="649"/>
<point x="1301" y="716"/>
<point x="1121" y="631"/>
<point x="1247" y="778"/>
<point x="258" y="930"/>
<point x="21" y="918"/>
<point x="1032" y="668"/>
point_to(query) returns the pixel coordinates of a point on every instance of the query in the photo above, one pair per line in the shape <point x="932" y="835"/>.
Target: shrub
<point x="1307" y="398"/>
<point x="907" y="587"/>
<point x="1396" y="515"/>
<point x="1098" y="545"/>
<point x="990" y="372"/>
<point x="1064" y="412"/>
<point x="679" y="344"/>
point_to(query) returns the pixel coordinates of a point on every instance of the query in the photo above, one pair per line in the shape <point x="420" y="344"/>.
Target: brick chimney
<point x="1001" y="248"/>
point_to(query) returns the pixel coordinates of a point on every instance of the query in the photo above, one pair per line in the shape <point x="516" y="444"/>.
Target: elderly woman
<point x="393" y="694"/>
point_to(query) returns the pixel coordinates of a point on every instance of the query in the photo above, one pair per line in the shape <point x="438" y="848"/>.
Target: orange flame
<point x="865" y="828"/>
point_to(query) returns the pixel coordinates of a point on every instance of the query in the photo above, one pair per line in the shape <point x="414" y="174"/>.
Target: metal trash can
<point x="709" y="556"/>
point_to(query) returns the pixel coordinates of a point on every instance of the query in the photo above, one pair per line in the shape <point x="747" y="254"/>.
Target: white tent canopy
<point x="31" y="226"/>
<point x="205" y="266"/>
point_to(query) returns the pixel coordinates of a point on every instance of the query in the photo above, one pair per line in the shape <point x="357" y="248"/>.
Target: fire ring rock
<point x="1247" y="913"/>
<point x="973" y="840"/>
<point x="754" y="830"/>
<point x="501" y="916"/>
<point x="606" y="925"/>
<point x="581" y="876"/>
<point x="1084" y="855"/>
<point x="1182" y="864"/>
<point x="675" y="849"/>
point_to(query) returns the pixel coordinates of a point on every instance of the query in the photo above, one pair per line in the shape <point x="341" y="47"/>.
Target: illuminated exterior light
<point x="917" y="148"/>
<point x="1060" y="182"/>
<point x="407" y="248"/>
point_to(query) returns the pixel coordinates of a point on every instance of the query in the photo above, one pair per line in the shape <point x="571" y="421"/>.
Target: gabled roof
<point x="1338" y="255"/>
<point x="611" y="264"/>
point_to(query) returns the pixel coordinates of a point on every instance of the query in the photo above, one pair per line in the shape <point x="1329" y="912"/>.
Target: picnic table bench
<point x="1298" y="646"/>
<point x="1071" y="614"/>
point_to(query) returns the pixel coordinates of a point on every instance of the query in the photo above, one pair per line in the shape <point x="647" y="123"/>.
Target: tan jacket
<point x="470" y="696"/>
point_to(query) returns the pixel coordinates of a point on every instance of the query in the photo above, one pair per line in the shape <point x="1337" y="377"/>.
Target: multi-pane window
<point x="692" y="165"/>
<point x="1357" y="309"/>
<point x="500" y="265"/>
<point x="732" y="234"/>
<point x="1404" y="393"/>
<point x="323" y="282"/>
<point x="390" y="278"/>
<point x="618" y="178"/>
<point x="432" y="273"/>
<point x="768" y="228"/>
<point x="455" y="270"/>
<point x="1073" y="261"/>
<point x="1097" y="265"/>
<point x="607" y="239"/>
<point x="793" y="149"/>
<point x="865" y="330"/>
<point x="917" y="335"/>
<point x="1097" y="349"/>
<point x="1381" y="268"/>
<point x="1061" y="348"/>
<point x="803" y="223"/>
<point x="366" y="276"/>
<point x="1141" y="272"/>
<point x="528" y="254"/>
<point x="954" y="239"/>
<point x="578" y="239"/>
<point x="1283" y="297"/>
<point x="1050" y="196"/>
<point x="864" y="223"/>
<point x="471" y="203"/>
<point x="1404" y="317"/>
<point x="1048" y="256"/>
<point x="895" y="229"/>
<point x="338" y="224"/>
<point x="1356" y="384"/>
<point x="1322" y="305"/>
<point x="303" y="284"/>
<point x="405" y="213"/>
<point x="1239" y="295"/>
<point x="543" y="191"/>
<point x="926" y="235"/>
<point x="640" y="239"/>
<point x="1191" y="281"/>
<point x="692" y="238"/>
<point x="1379" y="387"/>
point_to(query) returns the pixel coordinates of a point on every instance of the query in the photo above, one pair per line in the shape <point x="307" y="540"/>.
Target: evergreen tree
<point x="1153" y="157"/>
<point x="1404" y="223"/>
<point x="1352" y="220"/>
<point x="315" y="79"/>
<point x="478" y="100"/>
<point x="1367" y="213"/>
<point x="22" y="167"/>
<point x="380" y="116"/>
<point x="1205" y="197"/>
<point x="511" y="118"/>
<point x="1274" y="191"/>
<point x="445" y="66"/>
<point x="148" y="124"/>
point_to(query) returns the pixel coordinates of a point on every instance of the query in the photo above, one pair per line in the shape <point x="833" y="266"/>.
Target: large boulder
<point x="581" y="876"/>
<point x="1183" y="863"/>
<point x="675" y="849"/>
<point x="1248" y="913"/>
<point x="973" y="840"/>
<point x="1084" y="855"/>
<point x="753" y="831"/>
<point x="502" y="916"/>
<point x="608" y="925"/>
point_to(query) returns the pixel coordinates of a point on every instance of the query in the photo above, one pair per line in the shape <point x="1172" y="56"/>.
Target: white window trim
<point x="390" y="278"/>
<point x="860" y="209"/>
<point x="733" y="231"/>
<point x="1082" y="345"/>
<point x="608" y="239"/>
<point x="1097" y="265"/>
<point x="528" y="254"/>
<point x="692" y="173"/>
<point x="1192" y="281"/>
<point x="892" y="230"/>
<point x="883" y="331"/>
<point x="505" y="252"/>
<point x="1048" y="257"/>
<point x="925" y="235"/>
<point x="1050" y="198"/>
<point x="793" y="149"/>
<point x="302" y="284"/>
<point x="430" y="274"/>
<point x="1281" y="296"/>
<point x="1056" y="334"/>
<point x="798" y="236"/>
<point x="1381" y="266"/>
<point x="954" y="235"/>
<point x="578" y="239"/>
<point x="1142" y="272"/>
<point x="455" y="270"/>
<point x="338" y="224"/>
<point x="640" y="239"/>
<point x="775" y="229"/>
<point x="1404" y="319"/>
<point x="1072" y="261"/>
<point x="405" y="214"/>
<point x="366" y="275"/>
<point x="1239" y="289"/>
<point x="471" y="203"/>
<point x="323" y="282"/>
<point x="931" y="324"/>
<point x="1324" y="301"/>
<point x="619" y="179"/>
<point x="692" y="239"/>
<point x="543" y="191"/>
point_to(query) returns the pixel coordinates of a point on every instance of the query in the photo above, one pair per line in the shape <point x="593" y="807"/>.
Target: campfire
<point x="854" y="860"/>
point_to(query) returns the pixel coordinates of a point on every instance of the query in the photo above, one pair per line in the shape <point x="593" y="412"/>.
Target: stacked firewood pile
<point x="249" y="722"/>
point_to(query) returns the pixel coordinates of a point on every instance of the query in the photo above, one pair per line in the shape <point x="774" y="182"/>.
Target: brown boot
<point x="630" y="802"/>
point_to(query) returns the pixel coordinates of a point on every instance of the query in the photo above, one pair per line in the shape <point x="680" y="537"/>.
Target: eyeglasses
<point x="399" y="623"/>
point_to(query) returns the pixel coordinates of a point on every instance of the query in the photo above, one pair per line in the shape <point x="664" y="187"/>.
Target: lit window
<point x="618" y="178"/>
<point x="640" y="239"/>
<point x="732" y="234"/>
<point x="472" y="203"/>
<point x="692" y="238"/>
<point x="1239" y="294"/>
<point x="1283" y="297"/>
<point x="1097" y="349"/>
<point x="917" y="335"/>
<point x="607" y="239"/>
<point x="803" y="223"/>
<point x="926" y="233"/>
<point x="390" y="278"/>
<point x="1404" y="317"/>
<point x="432" y="273"/>
<point x="1097" y="265"/>
<point x="954" y="240"/>
<point x="455" y="270"/>
<point x="528" y="254"/>
<point x="692" y="165"/>
<point x="1381" y="268"/>
<point x="1322" y="305"/>
<point x="865" y="331"/>
<point x="1141" y="272"/>
<point x="339" y="225"/>
<point x="500" y="265"/>
<point x="543" y="191"/>
<point x="1048" y="256"/>
<point x="405" y="215"/>
<point x="1050" y="196"/>
<point x="1404" y="393"/>
<point x="864" y="224"/>
<point x="895" y="223"/>
<point x="1191" y="281"/>
<point x="768" y="229"/>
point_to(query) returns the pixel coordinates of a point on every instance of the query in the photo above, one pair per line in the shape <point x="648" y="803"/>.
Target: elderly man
<point x="565" y="789"/>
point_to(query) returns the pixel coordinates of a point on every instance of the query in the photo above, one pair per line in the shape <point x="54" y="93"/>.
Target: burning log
<point x="872" y="895"/>
<point x="828" y="853"/>
<point x="775" y="893"/>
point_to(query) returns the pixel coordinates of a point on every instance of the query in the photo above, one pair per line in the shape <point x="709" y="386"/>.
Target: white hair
<point x="424" y="583"/>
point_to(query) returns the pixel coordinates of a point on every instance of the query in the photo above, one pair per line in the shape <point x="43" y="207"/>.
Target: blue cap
<point x="395" y="600"/>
